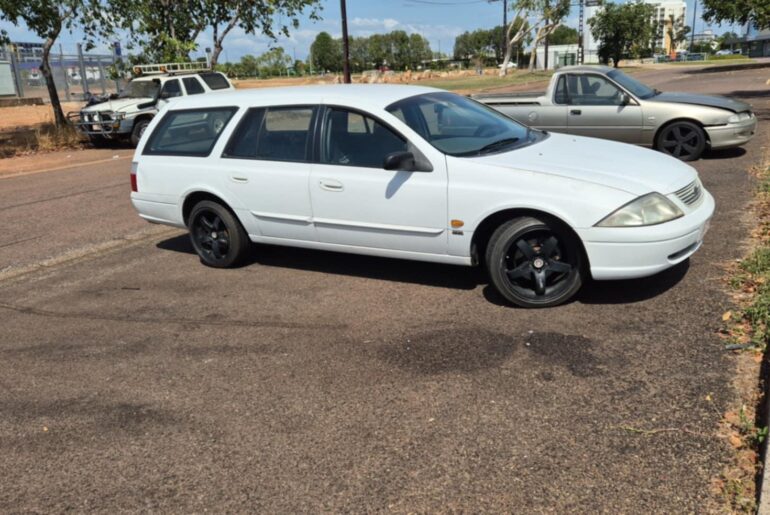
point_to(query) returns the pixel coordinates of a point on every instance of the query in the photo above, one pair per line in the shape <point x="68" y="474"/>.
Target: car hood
<point x="117" y="105"/>
<point x="624" y="167"/>
<point x="735" y="106"/>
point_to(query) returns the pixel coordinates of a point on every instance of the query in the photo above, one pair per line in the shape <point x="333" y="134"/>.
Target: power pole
<point x="345" y="48"/>
<point x="692" y="34"/>
<point x="547" y="21"/>
<point x="581" y="49"/>
<point x="505" y="25"/>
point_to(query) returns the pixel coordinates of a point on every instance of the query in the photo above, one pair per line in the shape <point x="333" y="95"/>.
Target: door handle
<point x="576" y="112"/>
<point x="331" y="185"/>
<point x="237" y="178"/>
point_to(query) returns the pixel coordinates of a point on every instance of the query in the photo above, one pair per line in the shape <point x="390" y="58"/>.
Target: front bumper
<point x="631" y="252"/>
<point x="732" y="134"/>
<point x="99" y="124"/>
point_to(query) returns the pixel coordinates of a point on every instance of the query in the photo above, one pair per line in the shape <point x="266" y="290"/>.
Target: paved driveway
<point x="133" y="378"/>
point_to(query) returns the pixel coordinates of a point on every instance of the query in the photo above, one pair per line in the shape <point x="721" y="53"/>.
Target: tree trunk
<point x="506" y="60"/>
<point x="533" y="57"/>
<point x="45" y="71"/>
<point x="215" y="54"/>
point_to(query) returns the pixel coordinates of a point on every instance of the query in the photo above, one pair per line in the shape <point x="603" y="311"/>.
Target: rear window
<point x="192" y="86"/>
<point x="215" y="80"/>
<point x="189" y="132"/>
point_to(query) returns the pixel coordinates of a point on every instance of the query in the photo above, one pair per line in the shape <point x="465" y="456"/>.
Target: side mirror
<point x="403" y="161"/>
<point x="624" y="99"/>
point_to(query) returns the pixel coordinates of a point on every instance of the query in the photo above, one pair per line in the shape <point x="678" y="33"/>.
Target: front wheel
<point x="534" y="263"/>
<point x="138" y="131"/>
<point x="217" y="236"/>
<point x="683" y="140"/>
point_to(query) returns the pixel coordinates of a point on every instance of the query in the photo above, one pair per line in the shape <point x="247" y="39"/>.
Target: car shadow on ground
<point x="726" y="153"/>
<point x="433" y="274"/>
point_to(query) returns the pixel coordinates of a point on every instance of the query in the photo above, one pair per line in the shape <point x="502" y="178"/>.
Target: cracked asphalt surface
<point x="133" y="378"/>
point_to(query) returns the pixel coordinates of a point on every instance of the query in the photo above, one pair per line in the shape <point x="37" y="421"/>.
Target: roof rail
<point x="170" y="68"/>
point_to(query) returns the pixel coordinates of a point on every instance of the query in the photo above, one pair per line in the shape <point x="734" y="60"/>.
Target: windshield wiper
<point x="497" y="145"/>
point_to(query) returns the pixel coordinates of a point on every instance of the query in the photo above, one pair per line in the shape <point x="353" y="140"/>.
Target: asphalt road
<point x="133" y="378"/>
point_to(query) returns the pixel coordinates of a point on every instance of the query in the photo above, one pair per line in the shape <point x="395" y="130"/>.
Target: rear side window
<point x="273" y="134"/>
<point x="192" y="86"/>
<point x="215" y="80"/>
<point x="171" y="89"/>
<point x="189" y="132"/>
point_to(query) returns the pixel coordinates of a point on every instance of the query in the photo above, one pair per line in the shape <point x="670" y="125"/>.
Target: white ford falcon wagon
<point x="415" y="173"/>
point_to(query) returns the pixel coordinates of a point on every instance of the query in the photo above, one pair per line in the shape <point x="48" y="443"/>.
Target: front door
<point x="596" y="109"/>
<point x="268" y="168"/>
<point x="357" y="202"/>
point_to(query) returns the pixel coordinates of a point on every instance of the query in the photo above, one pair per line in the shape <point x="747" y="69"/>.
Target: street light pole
<point x="345" y="48"/>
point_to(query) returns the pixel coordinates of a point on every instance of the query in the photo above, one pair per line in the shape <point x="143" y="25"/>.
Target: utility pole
<point x="547" y="21"/>
<point x="692" y="34"/>
<point x="345" y="47"/>
<point x="581" y="49"/>
<point x="505" y="26"/>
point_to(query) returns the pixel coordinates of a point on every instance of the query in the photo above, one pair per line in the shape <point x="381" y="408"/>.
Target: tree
<point x="563" y="35"/>
<point x="622" y="29"/>
<point x="170" y="28"/>
<point x="545" y="16"/>
<point x="47" y="19"/>
<point x="677" y="31"/>
<point x="738" y="11"/>
<point x="326" y="53"/>
<point x="274" y="62"/>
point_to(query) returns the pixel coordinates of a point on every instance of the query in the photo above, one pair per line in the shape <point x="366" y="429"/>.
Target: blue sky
<point x="440" y="21"/>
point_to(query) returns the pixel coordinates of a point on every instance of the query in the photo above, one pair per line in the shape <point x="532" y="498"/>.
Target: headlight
<point x="120" y="116"/>
<point x="649" y="209"/>
<point x="739" y="117"/>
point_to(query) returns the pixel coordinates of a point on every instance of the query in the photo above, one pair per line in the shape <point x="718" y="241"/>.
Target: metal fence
<point x="76" y="76"/>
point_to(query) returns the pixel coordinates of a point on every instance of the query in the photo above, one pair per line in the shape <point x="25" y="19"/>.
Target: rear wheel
<point x="534" y="263"/>
<point x="217" y="236"/>
<point x="683" y="140"/>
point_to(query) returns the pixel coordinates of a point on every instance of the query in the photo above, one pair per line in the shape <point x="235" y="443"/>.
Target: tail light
<point x="134" y="167"/>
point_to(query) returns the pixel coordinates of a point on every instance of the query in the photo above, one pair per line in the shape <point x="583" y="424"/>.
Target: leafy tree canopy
<point x="623" y="30"/>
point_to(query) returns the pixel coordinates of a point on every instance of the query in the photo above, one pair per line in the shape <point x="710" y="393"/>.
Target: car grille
<point x="691" y="193"/>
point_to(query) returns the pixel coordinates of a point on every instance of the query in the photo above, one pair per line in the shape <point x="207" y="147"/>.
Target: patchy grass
<point x="482" y="82"/>
<point x="747" y="334"/>
<point x="45" y="138"/>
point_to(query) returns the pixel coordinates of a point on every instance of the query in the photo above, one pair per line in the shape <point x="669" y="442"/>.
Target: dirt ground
<point x="22" y="117"/>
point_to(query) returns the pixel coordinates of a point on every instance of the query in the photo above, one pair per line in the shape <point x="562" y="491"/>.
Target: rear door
<point x="596" y="109"/>
<point x="268" y="168"/>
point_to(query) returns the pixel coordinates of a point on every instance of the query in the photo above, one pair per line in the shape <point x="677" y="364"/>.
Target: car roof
<point x="370" y="95"/>
<point x="597" y="68"/>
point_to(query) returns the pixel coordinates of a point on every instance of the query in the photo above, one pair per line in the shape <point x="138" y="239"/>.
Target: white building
<point x="563" y="55"/>
<point x="665" y="11"/>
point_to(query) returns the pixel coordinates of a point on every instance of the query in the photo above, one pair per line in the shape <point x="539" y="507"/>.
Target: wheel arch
<point x="194" y="197"/>
<point x="485" y="229"/>
<point x="676" y="120"/>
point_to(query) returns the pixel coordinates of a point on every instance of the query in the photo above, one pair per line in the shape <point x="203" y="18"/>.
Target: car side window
<point x="192" y="86"/>
<point x="593" y="90"/>
<point x="284" y="134"/>
<point x="560" y="96"/>
<point x="171" y="89"/>
<point x="214" y="80"/>
<point x="353" y="139"/>
<point x="243" y="142"/>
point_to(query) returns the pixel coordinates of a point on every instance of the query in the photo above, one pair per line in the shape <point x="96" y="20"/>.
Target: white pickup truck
<point x="127" y="115"/>
<point x="603" y="102"/>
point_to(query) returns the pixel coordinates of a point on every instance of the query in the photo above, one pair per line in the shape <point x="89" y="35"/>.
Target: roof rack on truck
<point x="169" y="68"/>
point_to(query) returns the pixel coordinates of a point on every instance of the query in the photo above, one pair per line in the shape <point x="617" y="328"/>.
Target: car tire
<point x="138" y="130"/>
<point x="682" y="140"/>
<point x="535" y="263"/>
<point x="217" y="236"/>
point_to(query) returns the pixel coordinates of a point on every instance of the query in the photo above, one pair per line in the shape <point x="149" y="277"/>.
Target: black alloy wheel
<point x="217" y="236"/>
<point x="533" y="263"/>
<point x="683" y="140"/>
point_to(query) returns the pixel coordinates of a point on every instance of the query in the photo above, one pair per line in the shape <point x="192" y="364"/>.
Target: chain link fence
<point x="76" y="76"/>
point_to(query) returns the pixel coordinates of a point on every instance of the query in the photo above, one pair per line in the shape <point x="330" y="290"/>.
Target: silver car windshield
<point x="460" y="126"/>
<point x="636" y="88"/>
<point x="140" y="89"/>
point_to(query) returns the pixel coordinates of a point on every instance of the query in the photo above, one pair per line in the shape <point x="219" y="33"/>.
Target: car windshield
<point x="636" y="88"/>
<point x="462" y="127"/>
<point x="140" y="89"/>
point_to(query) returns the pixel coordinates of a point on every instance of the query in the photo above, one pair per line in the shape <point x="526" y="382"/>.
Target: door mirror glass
<point x="624" y="99"/>
<point x="402" y="161"/>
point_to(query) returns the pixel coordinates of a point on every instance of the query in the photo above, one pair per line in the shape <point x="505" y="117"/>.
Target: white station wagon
<point x="415" y="173"/>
